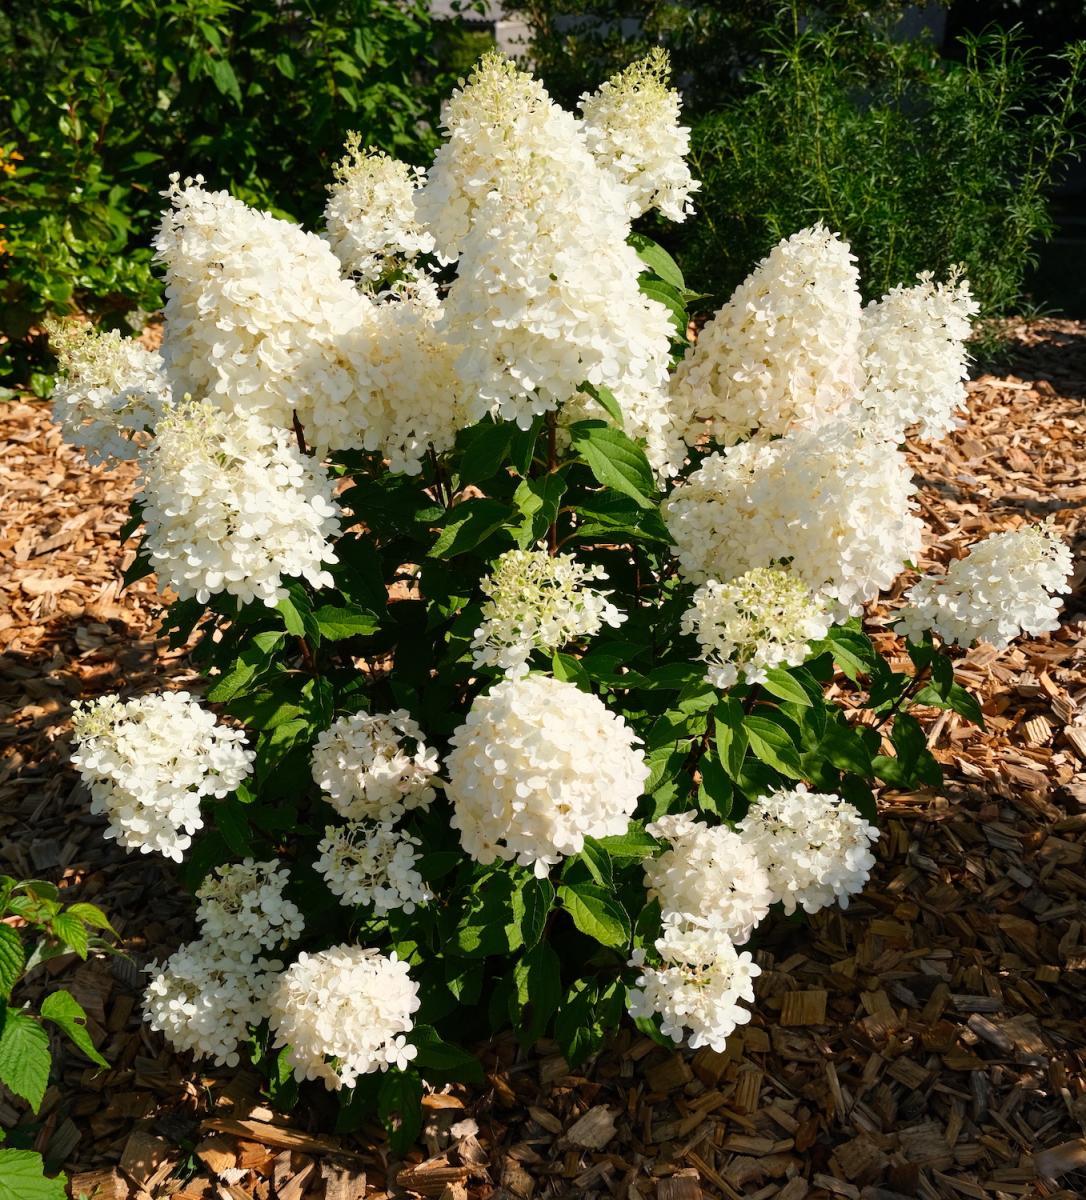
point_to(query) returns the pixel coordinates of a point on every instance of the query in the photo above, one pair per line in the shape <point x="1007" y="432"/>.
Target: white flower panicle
<point x="375" y="767"/>
<point x="913" y="346"/>
<point x="632" y="127"/>
<point x="538" y="601"/>
<point x="242" y="909"/>
<point x="816" y="848"/>
<point x="782" y="352"/>
<point x="343" y="1013"/>
<point x="203" y="1000"/>
<point x="697" y="988"/>
<point x="537" y="766"/>
<point x="111" y="390"/>
<point x="367" y="862"/>
<point x="765" y="618"/>
<point x="149" y="762"/>
<point x="833" y="503"/>
<point x="1007" y="584"/>
<point x="370" y="216"/>
<point x="708" y="877"/>
<point x="231" y="505"/>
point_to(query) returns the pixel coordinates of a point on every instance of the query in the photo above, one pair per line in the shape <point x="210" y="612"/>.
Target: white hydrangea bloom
<point x="538" y="601"/>
<point x="697" y="988"/>
<point x="205" y="1001"/>
<point x="709" y="877"/>
<point x="231" y="505"/>
<point x="375" y="767"/>
<point x="110" y="393"/>
<point x="783" y="351"/>
<point x="537" y="766"/>
<point x="915" y="359"/>
<point x="343" y="1013"/>
<point x="367" y="862"/>
<point x="766" y="618"/>
<point x="815" y="847"/>
<point x="242" y="909"/>
<point x="633" y="130"/>
<point x="370" y="216"/>
<point x="148" y="763"/>
<point x="1007" y="584"/>
<point x="833" y="503"/>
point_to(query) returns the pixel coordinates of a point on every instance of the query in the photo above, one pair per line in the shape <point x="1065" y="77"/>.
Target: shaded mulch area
<point x="927" y="1042"/>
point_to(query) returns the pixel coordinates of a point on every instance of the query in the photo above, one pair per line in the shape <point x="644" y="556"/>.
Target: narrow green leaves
<point x="67" y="1013"/>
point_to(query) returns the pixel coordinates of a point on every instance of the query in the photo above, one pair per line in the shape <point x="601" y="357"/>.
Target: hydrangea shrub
<point x="518" y="612"/>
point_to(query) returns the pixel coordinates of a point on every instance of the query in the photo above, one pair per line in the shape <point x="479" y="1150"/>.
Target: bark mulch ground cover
<point x="929" y="1041"/>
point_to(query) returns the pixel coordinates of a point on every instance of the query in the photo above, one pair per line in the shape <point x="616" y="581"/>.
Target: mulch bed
<point x="927" y="1042"/>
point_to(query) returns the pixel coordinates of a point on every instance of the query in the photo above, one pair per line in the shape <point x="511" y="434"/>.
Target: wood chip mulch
<point x="926" y="1042"/>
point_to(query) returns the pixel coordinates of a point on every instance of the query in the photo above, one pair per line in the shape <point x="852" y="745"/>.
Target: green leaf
<point x="336" y="623"/>
<point x="596" y="913"/>
<point x="670" y="298"/>
<point x="537" y="897"/>
<point x="773" y="746"/>
<point x="657" y="259"/>
<point x="605" y="514"/>
<point x="72" y="932"/>
<point x="730" y="736"/>
<point x="538" y="501"/>
<point x="605" y="398"/>
<point x="22" y="1177"/>
<point x="598" y="862"/>
<point x="845" y="749"/>
<point x="852" y="651"/>
<point x="716" y="791"/>
<point x="222" y="75"/>
<point x="632" y="846"/>
<point x="12" y="959"/>
<point x="570" y="670"/>
<point x="538" y="981"/>
<point x="487" y="446"/>
<point x="292" y="618"/>
<point x="468" y="524"/>
<point x="615" y="460"/>
<point x="441" y="1061"/>
<point x="399" y="1108"/>
<point x="92" y="915"/>
<point x="64" y="1010"/>
<point x="780" y="684"/>
<point x="24" y="1058"/>
<point x="252" y="661"/>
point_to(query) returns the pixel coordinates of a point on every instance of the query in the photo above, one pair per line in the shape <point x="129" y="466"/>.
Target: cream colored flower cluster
<point x="1007" y="584"/>
<point x="763" y="619"/>
<point x="369" y="862"/>
<point x="242" y="909"/>
<point x="149" y="762"/>
<point x="833" y="503"/>
<point x="231" y="505"/>
<point x="538" y="601"/>
<point x="633" y="130"/>
<point x="536" y="768"/>
<point x="111" y="391"/>
<point x="343" y="1013"/>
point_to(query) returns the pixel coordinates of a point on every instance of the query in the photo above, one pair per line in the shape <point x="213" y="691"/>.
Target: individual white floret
<point x="148" y="763"/>
<point x="632" y="126"/>
<point x="697" y="988"/>
<point x="913" y="344"/>
<point x="834" y="504"/>
<point x="538" y="766"/>
<point x="815" y="847"/>
<point x="343" y="1013"/>
<point x="242" y="909"/>
<point x="369" y="863"/>
<point x="375" y="767"/>
<point x="1007" y="584"/>
<point x="538" y="601"/>
<point x="708" y="877"/>
<point x="766" y="618"/>
<point x="111" y="391"/>
<point x="231" y="505"/>
<point x="783" y="351"/>
<point x="370" y="216"/>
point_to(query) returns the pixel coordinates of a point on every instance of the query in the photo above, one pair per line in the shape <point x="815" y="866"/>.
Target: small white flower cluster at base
<point x="343" y="1013"/>
<point x="364" y="862"/>
<point x="149" y="762"/>
<point x="242" y="908"/>
<point x="1006" y="585"/>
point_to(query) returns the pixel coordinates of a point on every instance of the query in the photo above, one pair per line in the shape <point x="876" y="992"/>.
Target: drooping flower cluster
<point x="370" y="216"/>
<point x="149" y="762"/>
<point x="366" y="862"/>
<point x="374" y="767"/>
<point x="816" y="848"/>
<point x="538" y="766"/>
<point x="343" y="1013"/>
<point x="912" y="342"/>
<point x="111" y="390"/>
<point x="538" y="601"/>
<point x="708" y="878"/>
<point x="832" y="503"/>
<point x="231" y="505"/>
<point x="697" y="987"/>
<point x="632" y="127"/>
<point x="1006" y="585"/>
<point x="242" y="909"/>
<point x="763" y="619"/>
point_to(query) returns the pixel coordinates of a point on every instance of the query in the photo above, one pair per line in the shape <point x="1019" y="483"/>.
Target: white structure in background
<point x="512" y="34"/>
